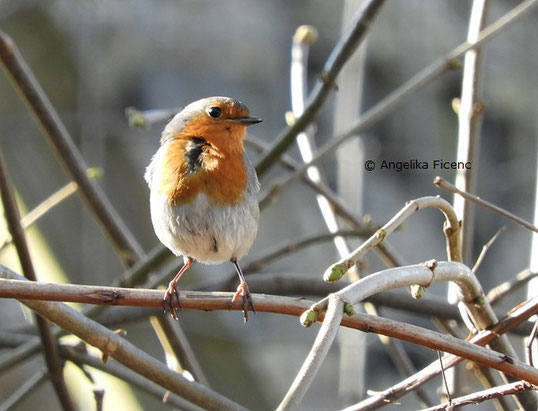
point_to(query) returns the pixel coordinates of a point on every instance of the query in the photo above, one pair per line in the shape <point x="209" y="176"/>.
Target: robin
<point x="203" y="190"/>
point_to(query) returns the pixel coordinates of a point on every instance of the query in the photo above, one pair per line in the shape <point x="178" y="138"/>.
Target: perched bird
<point x="203" y="190"/>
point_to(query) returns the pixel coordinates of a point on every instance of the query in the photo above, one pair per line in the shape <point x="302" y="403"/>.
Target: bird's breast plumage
<point x="203" y="203"/>
<point x="194" y="166"/>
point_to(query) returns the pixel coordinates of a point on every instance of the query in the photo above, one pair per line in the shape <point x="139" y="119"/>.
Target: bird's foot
<point x="244" y="293"/>
<point x="171" y="300"/>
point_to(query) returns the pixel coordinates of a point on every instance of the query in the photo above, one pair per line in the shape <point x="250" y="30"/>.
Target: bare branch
<point x="530" y="341"/>
<point x="502" y="290"/>
<point x="57" y="134"/>
<point x="52" y="358"/>
<point x="511" y="320"/>
<point x="481" y="396"/>
<point x="48" y="204"/>
<point x="115" y="346"/>
<point x="469" y="120"/>
<point x="485" y="249"/>
<point x="24" y="390"/>
<point x="317" y="354"/>
<point x="421" y="79"/>
<point x="441" y="182"/>
<point x="340" y="54"/>
<point x="113" y="368"/>
<point x="338" y="269"/>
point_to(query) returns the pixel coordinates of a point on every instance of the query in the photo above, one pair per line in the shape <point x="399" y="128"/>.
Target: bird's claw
<point x="244" y="293"/>
<point x="171" y="301"/>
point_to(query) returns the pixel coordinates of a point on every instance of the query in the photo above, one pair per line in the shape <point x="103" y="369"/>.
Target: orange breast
<point x="222" y="176"/>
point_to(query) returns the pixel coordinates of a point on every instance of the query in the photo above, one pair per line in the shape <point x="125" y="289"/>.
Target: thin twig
<point x="475" y="310"/>
<point x="530" y="341"/>
<point x="303" y="38"/>
<point x="344" y="49"/>
<point x="445" y="382"/>
<point x="24" y="390"/>
<point x="145" y="119"/>
<point x="442" y="65"/>
<point x="52" y="359"/>
<point x="515" y="317"/>
<point x="259" y="263"/>
<point x="177" y="346"/>
<point x="481" y="396"/>
<point x="119" y="371"/>
<point x="502" y="290"/>
<point x="485" y="249"/>
<point x="441" y="182"/>
<point x="48" y="204"/>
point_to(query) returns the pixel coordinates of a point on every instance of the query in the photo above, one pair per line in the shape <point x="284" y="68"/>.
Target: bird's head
<point x="221" y="121"/>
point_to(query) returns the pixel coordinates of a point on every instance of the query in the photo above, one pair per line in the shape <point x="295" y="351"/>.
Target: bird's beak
<point x="247" y="120"/>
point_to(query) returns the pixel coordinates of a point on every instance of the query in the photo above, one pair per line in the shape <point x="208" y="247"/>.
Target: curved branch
<point x="315" y="357"/>
<point x="338" y="269"/>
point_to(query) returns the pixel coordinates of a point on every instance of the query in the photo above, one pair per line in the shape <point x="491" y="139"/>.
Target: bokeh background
<point x="96" y="58"/>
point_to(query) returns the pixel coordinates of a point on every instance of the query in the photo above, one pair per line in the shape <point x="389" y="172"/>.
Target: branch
<point x="336" y="204"/>
<point x="338" y="269"/>
<point x="481" y="396"/>
<point x="48" y="204"/>
<point x="424" y="275"/>
<point x="515" y="317"/>
<point x="343" y="50"/>
<point x="143" y="120"/>
<point x="441" y="182"/>
<point x="277" y="284"/>
<point x="25" y="390"/>
<point x="469" y="116"/>
<point x="125" y="245"/>
<point x="57" y="134"/>
<point x="317" y="354"/>
<point x="115" y="346"/>
<point x="421" y="79"/>
<point x="117" y="370"/>
<point x="52" y="358"/>
<point x="502" y="290"/>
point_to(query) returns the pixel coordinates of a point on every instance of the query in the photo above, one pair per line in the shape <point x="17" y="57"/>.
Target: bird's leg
<point x="242" y="291"/>
<point x="171" y="295"/>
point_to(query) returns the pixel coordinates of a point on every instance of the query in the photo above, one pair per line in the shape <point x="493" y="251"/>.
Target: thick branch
<point x="91" y="332"/>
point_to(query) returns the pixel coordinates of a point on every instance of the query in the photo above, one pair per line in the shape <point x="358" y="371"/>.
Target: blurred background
<point x="94" y="59"/>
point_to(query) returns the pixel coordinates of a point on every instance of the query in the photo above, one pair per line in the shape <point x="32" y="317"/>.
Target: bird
<point x="204" y="191"/>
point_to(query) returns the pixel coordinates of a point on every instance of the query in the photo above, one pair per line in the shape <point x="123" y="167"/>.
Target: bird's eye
<point x="214" y="112"/>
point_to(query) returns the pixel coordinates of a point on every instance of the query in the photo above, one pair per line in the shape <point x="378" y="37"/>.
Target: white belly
<point x="207" y="233"/>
